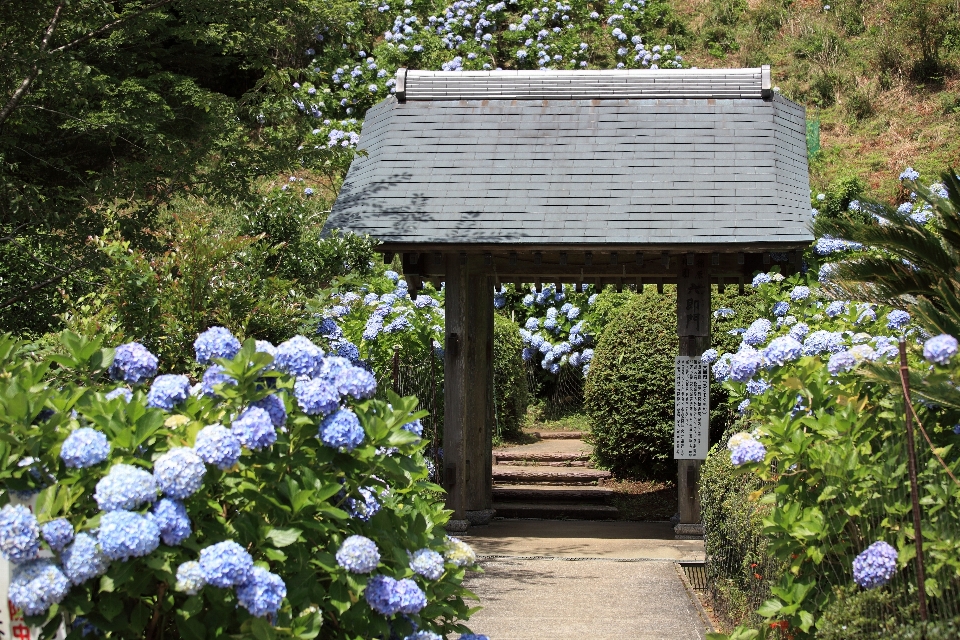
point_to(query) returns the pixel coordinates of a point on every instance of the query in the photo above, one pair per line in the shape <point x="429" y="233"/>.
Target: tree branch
<point x="41" y="285"/>
<point x="108" y="27"/>
<point x="35" y="71"/>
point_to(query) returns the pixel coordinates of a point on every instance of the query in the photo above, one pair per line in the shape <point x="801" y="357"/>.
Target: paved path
<point x="557" y="580"/>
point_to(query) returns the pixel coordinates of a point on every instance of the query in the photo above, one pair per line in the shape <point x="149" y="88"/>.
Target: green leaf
<point x="110" y="606"/>
<point x="262" y="630"/>
<point x="283" y="537"/>
<point x="770" y="608"/>
<point x="191" y="628"/>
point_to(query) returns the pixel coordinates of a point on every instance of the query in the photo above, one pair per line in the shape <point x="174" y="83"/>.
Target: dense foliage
<point x="511" y="394"/>
<point x="274" y="498"/>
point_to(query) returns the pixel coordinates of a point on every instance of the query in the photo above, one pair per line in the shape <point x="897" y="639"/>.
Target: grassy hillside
<point x="882" y="77"/>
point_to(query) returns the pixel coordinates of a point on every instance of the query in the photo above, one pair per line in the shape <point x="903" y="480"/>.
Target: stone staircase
<point x="550" y="479"/>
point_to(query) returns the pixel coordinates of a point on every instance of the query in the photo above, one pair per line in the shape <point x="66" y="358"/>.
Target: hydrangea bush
<point x="828" y="442"/>
<point x="237" y="508"/>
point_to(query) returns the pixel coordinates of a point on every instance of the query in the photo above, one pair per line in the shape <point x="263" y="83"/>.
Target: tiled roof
<point x="524" y="170"/>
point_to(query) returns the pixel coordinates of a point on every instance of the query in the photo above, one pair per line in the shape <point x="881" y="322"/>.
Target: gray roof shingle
<point x="570" y="171"/>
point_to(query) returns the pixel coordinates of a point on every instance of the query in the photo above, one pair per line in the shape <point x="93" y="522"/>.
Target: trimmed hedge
<point x="629" y="390"/>
<point x="509" y="377"/>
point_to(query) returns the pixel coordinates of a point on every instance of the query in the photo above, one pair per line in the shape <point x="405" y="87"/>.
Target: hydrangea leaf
<point x="283" y="537"/>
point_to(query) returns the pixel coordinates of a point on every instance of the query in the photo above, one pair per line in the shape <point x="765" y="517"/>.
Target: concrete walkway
<point x="554" y="580"/>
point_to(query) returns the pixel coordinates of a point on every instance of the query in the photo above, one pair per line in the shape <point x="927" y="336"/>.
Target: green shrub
<point x="629" y="390"/>
<point x="859" y="104"/>
<point x="509" y="377"/>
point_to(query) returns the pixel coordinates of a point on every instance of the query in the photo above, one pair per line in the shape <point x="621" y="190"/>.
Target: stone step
<point x="504" y="474"/>
<point x="513" y="455"/>
<point x="541" y="494"/>
<point x="559" y="435"/>
<point x="554" y="511"/>
<point x="536" y="463"/>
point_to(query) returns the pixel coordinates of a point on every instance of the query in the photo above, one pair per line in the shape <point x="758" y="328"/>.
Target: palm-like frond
<point x="905" y="259"/>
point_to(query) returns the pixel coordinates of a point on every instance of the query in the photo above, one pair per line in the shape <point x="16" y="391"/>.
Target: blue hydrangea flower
<point x="940" y="349"/>
<point x="761" y="278"/>
<point x="709" y="356"/>
<point x="424" y="635"/>
<point x="721" y="368"/>
<point x="331" y="369"/>
<point x="574" y="360"/>
<point x="84" y="447"/>
<point x="215" y="342"/>
<point x="125" y="487"/>
<point x="179" y="472"/>
<point x="415" y="427"/>
<point x="329" y="329"/>
<point x="19" y="533"/>
<point x="133" y="363"/>
<point x="532" y="324"/>
<point x="382" y="595"/>
<point x="392" y="275"/>
<point x="875" y="566"/>
<point x="358" y="554"/>
<point x="254" y="429"/>
<point x="357" y="383"/>
<point x="264" y="346"/>
<point x="226" y="564"/>
<point x="167" y="391"/>
<point x="724" y="312"/>
<point x="341" y="430"/>
<point x="799" y="293"/>
<point x="190" y="578"/>
<point x="83" y="559"/>
<point x="373" y="327"/>
<point x="218" y="446"/>
<point x="473" y="636"/>
<point x="57" y="533"/>
<point x="120" y="392"/>
<point x="780" y="309"/>
<point x="273" y="405"/>
<point x="821" y="341"/>
<point x="782" y="350"/>
<point x="348" y="350"/>
<point x="37" y="585"/>
<point x="213" y="376"/>
<point x="757" y="332"/>
<point x="744" y="407"/>
<point x="748" y="451"/>
<point x="427" y="563"/>
<point x="412" y="597"/>
<point x="299" y="356"/>
<point x="127" y="534"/>
<point x="799" y="331"/>
<point x="316" y="397"/>
<point x="744" y="364"/>
<point x="172" y="519"/>
<point x="263" y="593"/>
<point x="366" y="508"/>
<point x="863" y="353"/>
<point x="897" y="319"/>
<point x="424" y="301"/>
<point x="757" y="387"/>
<point x="841" y="362"/>
<point x="836" y="308"/>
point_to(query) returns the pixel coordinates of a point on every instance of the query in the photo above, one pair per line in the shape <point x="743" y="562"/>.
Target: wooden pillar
<point x="468" y="391"/>
<point x="693" y="329"/>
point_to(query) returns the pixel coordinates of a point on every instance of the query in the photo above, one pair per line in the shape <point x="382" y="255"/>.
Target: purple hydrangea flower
<point x="329" y="329"/>
<point x="172" y="520"/>
<point x="316" y="396"/>
<point x="273" y="405"/>
<point x="57" y="533"/>
<point x="875" y="566"/>
<point x="263" y="593"/>
<point x="254" y="429"/>
<point x="358" y="554"/>
<point x="341" y="430"/>
<point x="841" y="362"/>
<point x="412" y="597"/>
<point x="215" y="342"/>
<point x="218" y="446"/>
<point x="226" y="564"/>
<point x="348" y="350"/>
<point x="127" y="534"/>
<point x="125" y="487"/>
<point x="179" y="472"/>
<point x="299" y="356"/>
<point x="782" y="350"/>
<point x="84" y="447"/>
<point x="744" y="364"/>
<point x="37" y="585"/>
<point x="213" y="376"/>
<point x="83" y="559"/>
<point x="940" y="349"/>
<point x="167" y="391"/>
<point x="382" y="595"/>
<point x="748" y="451"/>
<point x="133" y="363"/>
<point x="19" y="534"/>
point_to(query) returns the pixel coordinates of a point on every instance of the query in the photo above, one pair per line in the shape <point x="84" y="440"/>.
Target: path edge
<point x="695" y="599"/>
